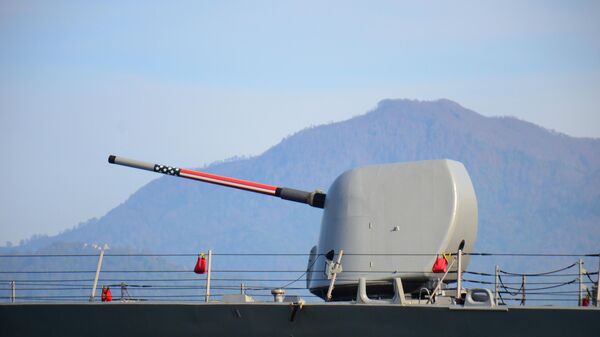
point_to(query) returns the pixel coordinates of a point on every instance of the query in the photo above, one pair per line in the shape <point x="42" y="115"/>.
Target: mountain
<point x="538" y="190"/>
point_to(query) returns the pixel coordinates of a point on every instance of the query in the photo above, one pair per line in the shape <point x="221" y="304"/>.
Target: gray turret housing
<point x="391" y="220"/>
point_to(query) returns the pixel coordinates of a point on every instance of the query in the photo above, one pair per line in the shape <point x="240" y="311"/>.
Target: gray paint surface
<point x="421" y="207"/>
<point x="273" y="319"/>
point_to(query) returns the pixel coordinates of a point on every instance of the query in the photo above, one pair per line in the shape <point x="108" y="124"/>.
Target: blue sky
<point x="188" y="83"/>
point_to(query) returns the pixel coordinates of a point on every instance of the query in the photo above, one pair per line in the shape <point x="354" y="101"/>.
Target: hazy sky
<point x="188" y="83"/>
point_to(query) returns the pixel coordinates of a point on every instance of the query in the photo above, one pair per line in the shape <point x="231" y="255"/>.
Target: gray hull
<point x="275" y="319"/>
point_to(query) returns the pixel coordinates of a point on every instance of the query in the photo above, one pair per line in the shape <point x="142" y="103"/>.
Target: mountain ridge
<point x="522" y="173"/>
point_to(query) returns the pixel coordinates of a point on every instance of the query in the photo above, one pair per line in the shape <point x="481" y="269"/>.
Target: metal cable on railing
<point x="255" y="280"/>
<point x="540" y="274"/>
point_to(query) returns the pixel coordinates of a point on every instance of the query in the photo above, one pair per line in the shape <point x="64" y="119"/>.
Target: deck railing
<point x="552" y="279"/>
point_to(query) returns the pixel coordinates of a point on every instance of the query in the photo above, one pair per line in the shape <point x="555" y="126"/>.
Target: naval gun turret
<point x="391" y="220"/>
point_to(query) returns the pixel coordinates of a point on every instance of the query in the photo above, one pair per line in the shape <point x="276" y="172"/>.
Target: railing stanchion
<point x="497" y="285"/>
<point x="98" y="267"/>
<point x="13" y="291"/>
<point x="209" y="269"/>
<point x="523" y="287"/>
<point x="580" y="279"/>
<point x="459" y="276"/>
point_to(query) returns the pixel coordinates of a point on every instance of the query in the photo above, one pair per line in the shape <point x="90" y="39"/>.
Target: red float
<point x="200" y="265"/>
<point x="106" y="294"/>
<point x="440" y="265"/>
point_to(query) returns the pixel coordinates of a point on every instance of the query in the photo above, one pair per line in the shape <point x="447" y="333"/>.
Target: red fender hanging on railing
<point x="106" y="294"/>
<point x="440" y="265"/>
<point x="200" y="267"/>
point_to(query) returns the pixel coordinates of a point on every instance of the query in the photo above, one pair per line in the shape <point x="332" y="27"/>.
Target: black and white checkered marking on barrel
<point x="173" y="171"/>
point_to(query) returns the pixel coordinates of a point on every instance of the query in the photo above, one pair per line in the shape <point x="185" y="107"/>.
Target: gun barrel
<point x="315" y="199"/>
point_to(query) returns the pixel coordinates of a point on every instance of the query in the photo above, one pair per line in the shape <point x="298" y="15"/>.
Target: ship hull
<point x="284" y="319"/>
